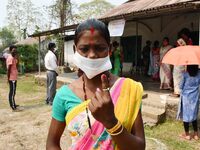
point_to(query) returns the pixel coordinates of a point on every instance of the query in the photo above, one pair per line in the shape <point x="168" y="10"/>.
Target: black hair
<point x="192" y="70"/>
<point x="148" y="42"/>
<point x="11" y="47"/>
<point x="186" y="32"/>
<point x="88" y="25"/>
<point x="166" y="38"/>
<point x="115" y="43"/>
<point x="156" y="43"/>
<point x="51" y="45"/>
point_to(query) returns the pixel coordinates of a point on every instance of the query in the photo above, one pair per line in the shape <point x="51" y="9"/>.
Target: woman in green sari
<point x="116" y="55"/>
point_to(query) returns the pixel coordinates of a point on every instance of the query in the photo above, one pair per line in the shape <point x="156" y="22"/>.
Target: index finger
<point x="105" y="83"/>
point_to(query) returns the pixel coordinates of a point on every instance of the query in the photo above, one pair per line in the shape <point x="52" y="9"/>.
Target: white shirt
<point x="6" y="55"/>
<point x="50" y="61"/>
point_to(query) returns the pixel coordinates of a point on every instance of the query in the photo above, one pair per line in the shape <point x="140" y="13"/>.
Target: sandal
<point x="174" y="95"/>
<point x="185" y="137"/>
<point x="196" y="137"/>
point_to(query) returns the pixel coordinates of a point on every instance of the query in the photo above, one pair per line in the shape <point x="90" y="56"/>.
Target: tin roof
<point x="135" y="7"/>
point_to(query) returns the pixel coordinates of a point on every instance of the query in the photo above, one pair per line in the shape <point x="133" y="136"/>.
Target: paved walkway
<point x="65" y="78"/>
<point x="150" y="87"/>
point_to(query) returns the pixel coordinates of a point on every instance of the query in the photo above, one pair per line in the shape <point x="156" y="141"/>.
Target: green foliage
<point x="28" y="55"/>
<point x="2" y="68"/>
<point x="94" y="9"/>
<point x="7" y="37"/>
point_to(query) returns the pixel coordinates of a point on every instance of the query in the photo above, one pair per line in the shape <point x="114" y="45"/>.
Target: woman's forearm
<point x="127" y="141"/>
<point x="133" y="140"/>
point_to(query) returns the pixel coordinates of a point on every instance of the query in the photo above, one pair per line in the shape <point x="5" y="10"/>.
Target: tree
<point x="94" y="9"/>
<point x="23" y="16"/>
<point x="7" y="37"/>
<point x="61" y="15"/>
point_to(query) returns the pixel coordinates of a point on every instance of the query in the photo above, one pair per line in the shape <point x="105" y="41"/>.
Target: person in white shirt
<point x="51" y="66"/>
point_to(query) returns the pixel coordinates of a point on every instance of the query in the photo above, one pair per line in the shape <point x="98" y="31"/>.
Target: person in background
<point x="184" y="39"/>
<point x="165" y="69"/>
<point x="150" y="70"/>
<point x="12" y="72"/>
<point x="185" y="34"/>
<point x="116" y="54"/>
<point x="146" y="56"/>
<point x="51" y="66"/>
<point x="189" y="102"/>
<point x="6" y="54"/>
<point x="121" y="61"/>
<point x="156" y="60"/>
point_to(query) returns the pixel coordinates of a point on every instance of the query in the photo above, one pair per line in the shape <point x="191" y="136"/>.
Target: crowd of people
<point x="185" y="80"/>
<point x="168" y="75"/>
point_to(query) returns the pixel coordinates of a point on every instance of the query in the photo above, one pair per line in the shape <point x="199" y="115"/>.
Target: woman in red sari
<point x="165" y="69"/>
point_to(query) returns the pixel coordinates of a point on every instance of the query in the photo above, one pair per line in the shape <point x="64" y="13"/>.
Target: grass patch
<point x="27" y="93"/>
<point x="27" y="85"/>
<point x="168" y="133"/>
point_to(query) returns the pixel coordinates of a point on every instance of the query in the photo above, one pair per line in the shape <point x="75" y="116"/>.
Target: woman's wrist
<point x="111" y="123"/>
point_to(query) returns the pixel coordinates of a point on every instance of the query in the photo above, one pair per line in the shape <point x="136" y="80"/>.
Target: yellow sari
<point x="126" y="95"/>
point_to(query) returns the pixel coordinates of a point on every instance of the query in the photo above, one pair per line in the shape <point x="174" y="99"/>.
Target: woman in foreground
<point x="100" y="110"/>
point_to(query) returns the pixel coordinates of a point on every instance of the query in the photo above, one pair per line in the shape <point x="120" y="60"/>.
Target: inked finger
<point x="105" y="83"/>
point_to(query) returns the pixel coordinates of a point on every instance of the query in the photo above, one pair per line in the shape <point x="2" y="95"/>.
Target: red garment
<point x="12" y="61"/>
<point x="156" y="51"/>
<point x="190" y="42"/>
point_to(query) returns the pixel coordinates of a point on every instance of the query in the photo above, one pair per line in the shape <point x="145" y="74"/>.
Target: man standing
<point x="11" y="63"/>
<point x="51" y="66"/>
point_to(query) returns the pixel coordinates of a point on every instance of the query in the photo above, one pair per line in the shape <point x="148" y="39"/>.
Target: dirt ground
<point x="27" y="129"/>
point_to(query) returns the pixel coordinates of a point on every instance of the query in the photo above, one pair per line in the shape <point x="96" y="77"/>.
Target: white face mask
<point x="92" y="67"/>
<point x="55" y="50"/>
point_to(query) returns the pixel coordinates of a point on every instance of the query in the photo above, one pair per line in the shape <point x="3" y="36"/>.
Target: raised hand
<point x="101" y="106"/>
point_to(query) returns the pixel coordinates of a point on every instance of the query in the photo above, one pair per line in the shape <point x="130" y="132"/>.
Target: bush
<point x="28" y="55"/>
<point x="3" y="66"/>
<point x="2" y="71"/>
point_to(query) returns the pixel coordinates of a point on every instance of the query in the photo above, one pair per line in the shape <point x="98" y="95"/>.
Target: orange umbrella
<point x="183" y="55"/>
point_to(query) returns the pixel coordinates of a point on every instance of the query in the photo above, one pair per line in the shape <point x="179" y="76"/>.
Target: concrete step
<point x="153" y="103"/>
<point x="153" y="100"/>
<point x="149" y="121"/>
<point x="154" y="115"/>
<point x="171" y="106"/>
